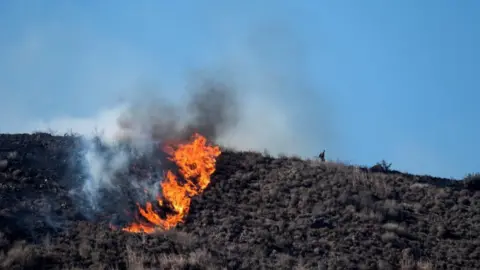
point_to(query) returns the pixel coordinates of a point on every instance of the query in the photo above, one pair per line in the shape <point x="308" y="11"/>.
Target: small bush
<point x="381" y="166"/>
<point x="472" y="181"/>
<point x="386" y="166"/>
<point x="472" y="177"/>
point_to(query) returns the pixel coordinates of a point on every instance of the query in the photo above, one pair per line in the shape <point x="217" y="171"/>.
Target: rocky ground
<point x="258" y="213"/>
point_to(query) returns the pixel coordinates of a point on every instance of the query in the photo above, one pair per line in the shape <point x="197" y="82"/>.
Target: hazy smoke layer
<point x="258" y="94"/>
<point x="255" y="101"/>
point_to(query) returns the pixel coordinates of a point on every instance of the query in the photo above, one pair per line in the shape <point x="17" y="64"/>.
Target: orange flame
<point x="196" y="162"/>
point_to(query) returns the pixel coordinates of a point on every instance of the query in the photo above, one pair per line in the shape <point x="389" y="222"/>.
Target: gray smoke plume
<point x="210" y="109"/>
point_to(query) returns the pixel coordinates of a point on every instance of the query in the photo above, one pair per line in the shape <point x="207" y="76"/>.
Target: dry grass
<point x="199" y="259"/>
<point x="258" y="213"/>
<point x="20" y="255"/>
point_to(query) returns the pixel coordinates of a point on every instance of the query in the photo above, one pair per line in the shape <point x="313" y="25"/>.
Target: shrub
<point x="472" y="181"/>
<point x="382" y="166"/>
<point x="472" y="177"/>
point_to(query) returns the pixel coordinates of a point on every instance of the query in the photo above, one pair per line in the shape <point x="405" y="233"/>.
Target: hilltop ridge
<point x="259" y="212"/>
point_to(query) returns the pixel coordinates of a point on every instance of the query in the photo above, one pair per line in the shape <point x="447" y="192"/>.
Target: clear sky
<point x="394" y="80"/>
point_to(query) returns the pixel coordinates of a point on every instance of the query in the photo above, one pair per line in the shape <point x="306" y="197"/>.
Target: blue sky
<point x="367" y="80"/>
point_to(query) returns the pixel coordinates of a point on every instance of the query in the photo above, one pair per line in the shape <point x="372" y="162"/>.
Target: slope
<point x="259" y="212"/>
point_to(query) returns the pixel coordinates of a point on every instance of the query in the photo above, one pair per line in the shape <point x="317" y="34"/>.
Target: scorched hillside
<point x="190" y="204"/>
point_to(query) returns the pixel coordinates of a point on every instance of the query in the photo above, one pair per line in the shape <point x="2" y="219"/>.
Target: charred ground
<point x="258" y="212"/>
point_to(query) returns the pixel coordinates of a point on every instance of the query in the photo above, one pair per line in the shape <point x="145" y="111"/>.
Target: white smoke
<point x="103" y="124"/>
<point x="100" y="171"/>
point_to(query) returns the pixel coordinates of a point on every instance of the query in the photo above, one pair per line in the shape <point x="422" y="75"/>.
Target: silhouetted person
<point x="322" y="156"/>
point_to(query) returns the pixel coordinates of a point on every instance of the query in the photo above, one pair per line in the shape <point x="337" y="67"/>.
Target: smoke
<point x="210" y="109"/>
<point x="101" y="168"/>
<point x="142" y="127"/>
<point x="259" y="99"/>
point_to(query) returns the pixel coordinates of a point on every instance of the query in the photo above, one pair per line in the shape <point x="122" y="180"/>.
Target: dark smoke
<point x="214" y="109"/>
<point x="210" y="109"/>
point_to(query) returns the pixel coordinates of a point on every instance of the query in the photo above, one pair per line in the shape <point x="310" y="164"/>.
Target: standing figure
<point x="322" y="156"/>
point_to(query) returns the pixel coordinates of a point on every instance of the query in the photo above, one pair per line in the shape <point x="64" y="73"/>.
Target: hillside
<point x="257" y="213"/>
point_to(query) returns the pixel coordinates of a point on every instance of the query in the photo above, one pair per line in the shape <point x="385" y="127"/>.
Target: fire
<point x="196" y="162"/>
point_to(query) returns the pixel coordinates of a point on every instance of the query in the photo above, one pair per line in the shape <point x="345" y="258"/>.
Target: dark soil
<point x="258" y="213"/>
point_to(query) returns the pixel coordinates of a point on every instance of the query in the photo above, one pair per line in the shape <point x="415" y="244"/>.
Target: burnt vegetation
<point x="259" y="212"/>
